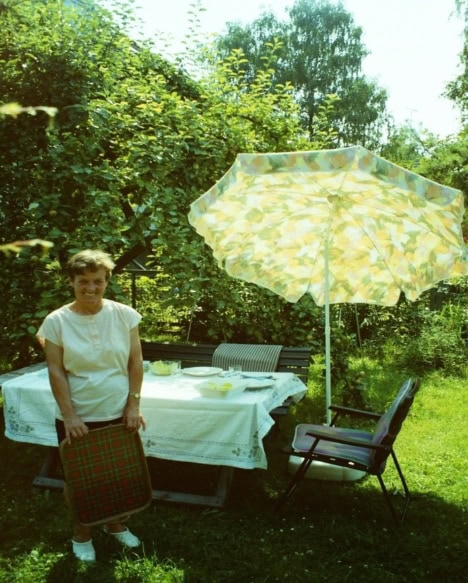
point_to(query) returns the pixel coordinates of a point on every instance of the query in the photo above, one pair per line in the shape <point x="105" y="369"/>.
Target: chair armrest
<point x="326" y="435"/>
<point x="341" y="410"/>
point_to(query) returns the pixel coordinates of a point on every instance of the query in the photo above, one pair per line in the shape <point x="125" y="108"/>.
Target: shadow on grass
<point x="326" y="532"/>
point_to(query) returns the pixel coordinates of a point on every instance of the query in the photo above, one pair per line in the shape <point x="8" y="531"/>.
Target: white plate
<point x="202" y="371"/>
<point x="260" y="384"/>
<point x="257" y="375"/>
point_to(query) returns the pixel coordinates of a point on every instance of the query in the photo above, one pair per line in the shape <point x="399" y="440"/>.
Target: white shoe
<point x="125" y="537"/>
<point x="84" y="551"/>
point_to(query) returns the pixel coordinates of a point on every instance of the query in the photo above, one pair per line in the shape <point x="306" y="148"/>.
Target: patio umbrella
<point x="342" y="225"/>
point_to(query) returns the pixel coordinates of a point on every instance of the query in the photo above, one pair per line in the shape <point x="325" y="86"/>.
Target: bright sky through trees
<point x="414" y="46"/>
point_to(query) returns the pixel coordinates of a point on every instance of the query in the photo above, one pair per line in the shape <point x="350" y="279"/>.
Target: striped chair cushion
<point x="303" y="442"/>
<point x="252" y="357"/>
<point x="389" y="424"/>
<point x="384" y="434"/>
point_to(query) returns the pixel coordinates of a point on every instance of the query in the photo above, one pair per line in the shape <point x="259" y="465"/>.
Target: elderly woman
<point x="95" y="366"/>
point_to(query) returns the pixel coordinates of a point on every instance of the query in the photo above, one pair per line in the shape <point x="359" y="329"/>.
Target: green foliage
<point x="441" y="342"/>
<point x="17" y="246"/>
<point x="319" y="53"/>
<point x="405" y="147"/>
<point x="14" y="109"/>
<point x="134" y="142"/>
<point x="154" y="297"/>
<point x="147" y="569"/>
<point x="224" y="313"/>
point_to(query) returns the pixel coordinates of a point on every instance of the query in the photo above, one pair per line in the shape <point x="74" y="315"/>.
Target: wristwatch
<point x="135" y="395"/>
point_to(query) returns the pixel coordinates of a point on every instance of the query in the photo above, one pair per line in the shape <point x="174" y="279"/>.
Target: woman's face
<point x="89" y="287"/>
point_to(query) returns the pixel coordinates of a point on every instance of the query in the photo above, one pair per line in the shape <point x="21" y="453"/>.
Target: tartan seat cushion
<point x="106" y="475"/>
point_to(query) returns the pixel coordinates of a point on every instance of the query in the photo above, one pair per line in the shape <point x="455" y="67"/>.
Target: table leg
<point x="44" y="478"/>
<point x="216" y="500"/>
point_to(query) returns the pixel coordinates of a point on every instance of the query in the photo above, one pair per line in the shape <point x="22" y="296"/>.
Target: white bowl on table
<point x="222" y="388"/>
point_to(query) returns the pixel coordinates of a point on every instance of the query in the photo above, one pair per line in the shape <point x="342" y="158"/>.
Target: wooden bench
<point x="291" y="359"/>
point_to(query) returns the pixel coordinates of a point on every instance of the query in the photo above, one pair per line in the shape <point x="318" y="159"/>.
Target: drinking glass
<point x="176" y="367"/>
<point x="235" y="369"/>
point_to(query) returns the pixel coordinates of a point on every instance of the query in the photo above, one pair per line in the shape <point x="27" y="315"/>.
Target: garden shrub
<point x="441" y="342"/>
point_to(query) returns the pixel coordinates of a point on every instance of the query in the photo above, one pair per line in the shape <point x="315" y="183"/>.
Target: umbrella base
<point x="324" y="471"/>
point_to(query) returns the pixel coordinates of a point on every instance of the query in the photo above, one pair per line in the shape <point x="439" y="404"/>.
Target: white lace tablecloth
<point x="181" y="424"/>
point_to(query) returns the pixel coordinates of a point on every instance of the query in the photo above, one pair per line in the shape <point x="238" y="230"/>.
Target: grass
<point x="328" y="532"/>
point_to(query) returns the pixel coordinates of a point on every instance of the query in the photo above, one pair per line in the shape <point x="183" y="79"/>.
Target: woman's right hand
<point x="74" y="427"/>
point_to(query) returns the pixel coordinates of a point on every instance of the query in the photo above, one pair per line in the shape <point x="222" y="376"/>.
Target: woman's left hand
<point x="133" y="418"/>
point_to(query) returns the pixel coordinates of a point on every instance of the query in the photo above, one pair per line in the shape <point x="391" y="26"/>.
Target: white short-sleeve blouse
<point x="96" y="350"/>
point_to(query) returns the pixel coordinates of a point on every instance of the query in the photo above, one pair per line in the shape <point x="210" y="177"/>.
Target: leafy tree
<point x="448" y="165"/>
<point x="134" y="142"/>
<point x="458" y="88"/>
<point x="319" y="51"/>
<point x="221" y="308"/>
<point x="63" y="183"/>
<point x="411" y="148"/>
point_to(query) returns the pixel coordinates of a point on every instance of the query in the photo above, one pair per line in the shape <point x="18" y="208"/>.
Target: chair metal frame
<point x="396" y="414"/>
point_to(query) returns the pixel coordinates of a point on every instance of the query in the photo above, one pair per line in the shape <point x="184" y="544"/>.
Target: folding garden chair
<point x="358" y="449"/>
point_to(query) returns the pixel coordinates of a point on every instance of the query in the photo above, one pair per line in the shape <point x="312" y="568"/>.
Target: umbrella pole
<point x="327" y="363"/>
<point x="327" y="341"/>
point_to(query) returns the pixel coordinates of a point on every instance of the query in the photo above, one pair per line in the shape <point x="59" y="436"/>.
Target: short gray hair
<point x="89" y="260"/>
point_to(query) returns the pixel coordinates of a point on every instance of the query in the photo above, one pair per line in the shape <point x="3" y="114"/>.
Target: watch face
<point x="135" y="395"/>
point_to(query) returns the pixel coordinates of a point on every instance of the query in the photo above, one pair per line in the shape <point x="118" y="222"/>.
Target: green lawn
<point x="328" y="531"/>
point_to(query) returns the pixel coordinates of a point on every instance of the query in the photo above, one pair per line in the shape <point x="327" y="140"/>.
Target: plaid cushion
<point x="106" y="474"/>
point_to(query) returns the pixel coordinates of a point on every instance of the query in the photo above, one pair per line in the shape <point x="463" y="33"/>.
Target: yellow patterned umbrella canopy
<point x="272" y="220"/>
<point x="343" y="225"/>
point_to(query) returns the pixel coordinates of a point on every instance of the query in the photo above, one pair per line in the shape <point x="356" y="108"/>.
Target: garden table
<point x="181" y="425"/>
